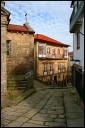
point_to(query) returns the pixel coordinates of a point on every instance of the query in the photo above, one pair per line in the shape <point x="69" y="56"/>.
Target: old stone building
<point x="51" y="59"/>
<point x="4" y="22"/>
<point x="20" y="45"/>
<point x="17" y="54"/>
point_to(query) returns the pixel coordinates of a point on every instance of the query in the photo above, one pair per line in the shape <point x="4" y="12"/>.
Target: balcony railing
<point x="75" y="19"/>
<point x="56" y="56"/>
<point x="50" y="56"/>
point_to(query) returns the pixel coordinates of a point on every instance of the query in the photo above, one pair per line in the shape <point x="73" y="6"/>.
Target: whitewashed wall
<point x="79" y="53"/>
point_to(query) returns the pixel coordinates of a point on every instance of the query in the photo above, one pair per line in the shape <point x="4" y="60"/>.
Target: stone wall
<point x="21" y="58"/>
<point x="3" y="59"/>
<point x="4" y="22"/>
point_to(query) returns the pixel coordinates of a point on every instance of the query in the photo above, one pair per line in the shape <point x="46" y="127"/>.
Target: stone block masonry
<point x="4" y="21"/>
<point x="20" y="61"/>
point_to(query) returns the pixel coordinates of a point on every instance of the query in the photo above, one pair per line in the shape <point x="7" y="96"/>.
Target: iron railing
<point x="78" y="81"/>
<point x="50" y="56"/>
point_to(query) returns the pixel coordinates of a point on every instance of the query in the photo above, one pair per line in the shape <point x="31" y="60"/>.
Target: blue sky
<point x="50" y="18"/>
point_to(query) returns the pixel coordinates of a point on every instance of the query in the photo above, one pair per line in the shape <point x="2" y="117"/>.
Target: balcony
<point x="53" y="57"/>
<point x="50" y="56"/>
<point x="75" y="19"/>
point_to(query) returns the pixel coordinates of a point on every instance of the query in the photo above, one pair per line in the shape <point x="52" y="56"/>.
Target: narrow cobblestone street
<point x="46" y="108"/>
<point x="42" y="64"/>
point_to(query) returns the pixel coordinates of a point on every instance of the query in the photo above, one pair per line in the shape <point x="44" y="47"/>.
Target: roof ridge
<point x="49" y="39"/>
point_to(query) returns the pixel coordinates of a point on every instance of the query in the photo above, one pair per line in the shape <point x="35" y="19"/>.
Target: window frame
<point x="41" y="50"/>
<point x="51" y="66"/>
<point x="48" y="50"/>
<point x="45" y="67"/>
<point x="53" y="51"/>
<point x="78" y="40"/>
<point x="8" y="47"/>
<point x="58" y="51"/>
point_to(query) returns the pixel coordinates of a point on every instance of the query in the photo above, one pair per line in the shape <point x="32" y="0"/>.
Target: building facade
<point x="51" y="57"/>
<point x="77" y="28"/>
<point x="17" y="54"/>
<point x="20" y="52"/>
<point x="70" y="56"/>
<point x="5" y="14"/>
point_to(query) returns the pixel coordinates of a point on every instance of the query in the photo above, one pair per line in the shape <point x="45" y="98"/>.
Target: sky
<point x="50" y="18"/>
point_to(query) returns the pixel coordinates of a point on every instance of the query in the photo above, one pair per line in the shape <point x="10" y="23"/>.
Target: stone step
<point x="18" y="85"/>
<point x="20" y="88"/>
<point x="21" y="81"/>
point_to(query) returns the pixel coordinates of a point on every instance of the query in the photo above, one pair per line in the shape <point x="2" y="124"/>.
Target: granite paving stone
<point x="45" y="108"/>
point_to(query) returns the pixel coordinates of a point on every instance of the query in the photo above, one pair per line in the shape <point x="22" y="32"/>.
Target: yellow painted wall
<point x="56" y="49"/>
<point x="39" y="63"/>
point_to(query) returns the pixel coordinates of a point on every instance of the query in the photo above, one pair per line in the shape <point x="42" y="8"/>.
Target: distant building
<point x="71" y="62"/>
<point x="51" y="57"/>
<point x="70" y="54"/>
<point x="77" y="28"/>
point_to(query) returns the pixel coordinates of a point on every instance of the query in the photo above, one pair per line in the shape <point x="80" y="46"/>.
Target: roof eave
<point x="52" y="42"/>
<point x="18" y="31"/>
<point x="72" y="4"/>
<point x="7" y="12"/>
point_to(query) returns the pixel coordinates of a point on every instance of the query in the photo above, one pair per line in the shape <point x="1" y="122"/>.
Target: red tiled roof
<point x="48" y="39"/>
<point x="14" y="27"/>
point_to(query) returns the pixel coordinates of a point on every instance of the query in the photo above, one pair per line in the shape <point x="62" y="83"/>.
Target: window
<point x="45" y="67"/>
<point x="8" y="46"/>
<point x="41" y="50"/>
<point x="63" y="67"/>
<point x="58" y="51"/>
<point x="59" y="66"/>
<point x="53" y="51"/>
<point x="78" y="40"/>
<point x="51" y="67"/>
<point x="48" y="50"/>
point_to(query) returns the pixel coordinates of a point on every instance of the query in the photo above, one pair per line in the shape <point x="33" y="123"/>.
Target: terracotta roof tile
<point x="14" y="27"/>
<point x="45" y="38"/>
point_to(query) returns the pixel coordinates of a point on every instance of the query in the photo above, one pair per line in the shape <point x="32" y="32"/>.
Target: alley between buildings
<point x="47" y="107"/>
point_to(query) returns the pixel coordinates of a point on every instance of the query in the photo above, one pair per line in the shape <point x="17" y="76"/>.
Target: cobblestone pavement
<point x="45" y="108"/>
